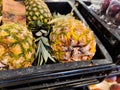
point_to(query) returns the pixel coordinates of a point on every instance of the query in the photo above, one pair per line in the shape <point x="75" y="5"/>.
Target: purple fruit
<point x="105" y="5"/>
<point x="113" y="10"/>
<point x="117" y="18"/>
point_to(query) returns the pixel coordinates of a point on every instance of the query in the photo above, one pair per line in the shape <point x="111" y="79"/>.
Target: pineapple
<point x="71" y="40"/>
<point x="37" y="14"/>
<point x="17" y="49"/>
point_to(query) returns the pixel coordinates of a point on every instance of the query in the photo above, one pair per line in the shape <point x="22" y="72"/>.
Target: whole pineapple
<point x="17" y="48"/>
<point x="37" y="14"/>
<point x="71" y="40"/>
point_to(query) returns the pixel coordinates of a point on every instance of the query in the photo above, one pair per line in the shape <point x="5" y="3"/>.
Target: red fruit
<point x="105" y="5"/>
<point x="118" y="79"/>
<point x="113" y="10"/>
<point x="111" y="79"/>
<point x="115" y="87"/>
<point x="117" y="18"/>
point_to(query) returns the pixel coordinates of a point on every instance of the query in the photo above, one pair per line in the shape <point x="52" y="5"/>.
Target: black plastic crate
<point x="108" y="36"/>
<point x="60" y="75"/>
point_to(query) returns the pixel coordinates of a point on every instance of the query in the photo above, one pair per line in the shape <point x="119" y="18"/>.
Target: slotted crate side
<point x="108" y="37"/>
<point x="69" y="74"/>
<point x="35" y="77"/>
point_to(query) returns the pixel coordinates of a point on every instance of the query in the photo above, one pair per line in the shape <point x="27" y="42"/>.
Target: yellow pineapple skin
<point x="71" y="40"/>
<point x="37" y="14"/>
<point x="17" y="46"/>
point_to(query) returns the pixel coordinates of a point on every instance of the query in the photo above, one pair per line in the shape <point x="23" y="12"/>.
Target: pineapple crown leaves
<point x="58" y="17"/>
<point x="41" y="32"/>
<point x="43" y="52"/>
<point x="35" y="24"/>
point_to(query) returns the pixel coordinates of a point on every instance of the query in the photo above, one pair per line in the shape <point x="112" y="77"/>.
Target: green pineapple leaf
<point x="38" y="50"/>
<point x="45" y="41"/>
<point x="39" y="33"/>
<point x="43" y="54"/>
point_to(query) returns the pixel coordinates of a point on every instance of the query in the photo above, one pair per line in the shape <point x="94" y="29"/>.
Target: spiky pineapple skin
<point x="16" y="46"/>
<point x="71" y="40"/>
<point x="37" y="14"/>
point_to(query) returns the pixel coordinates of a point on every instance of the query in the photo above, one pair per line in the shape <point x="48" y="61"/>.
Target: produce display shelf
<point x="60" y="75"/>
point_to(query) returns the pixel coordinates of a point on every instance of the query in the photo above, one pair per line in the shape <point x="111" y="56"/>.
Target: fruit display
<point x="71" y="40"/>
<point x="67" y="48"/>
<point x="43" y="40"/>
<point x="109" y="13"/>
<point x="56" y="39"/>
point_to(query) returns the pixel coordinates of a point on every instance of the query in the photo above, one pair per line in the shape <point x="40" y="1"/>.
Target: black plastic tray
<point x="109" y="37"/>
<point x="60" y="75"/>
